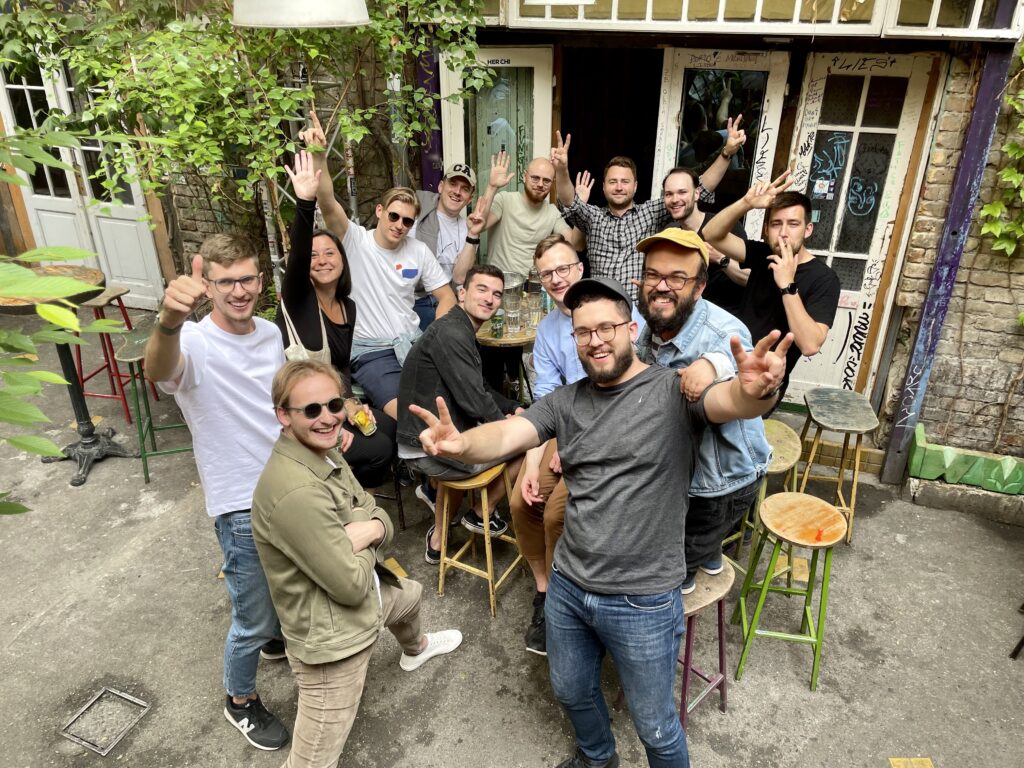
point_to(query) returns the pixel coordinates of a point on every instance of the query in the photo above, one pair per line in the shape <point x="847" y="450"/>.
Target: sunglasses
<point x="393" y="217"/>
<point x="312" y="411"/>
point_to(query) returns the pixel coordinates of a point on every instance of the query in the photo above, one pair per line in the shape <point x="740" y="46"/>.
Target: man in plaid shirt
<point x="612" y="232"/>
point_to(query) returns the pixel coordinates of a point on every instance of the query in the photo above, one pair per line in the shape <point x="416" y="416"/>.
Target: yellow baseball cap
<point x="686" y="238"/>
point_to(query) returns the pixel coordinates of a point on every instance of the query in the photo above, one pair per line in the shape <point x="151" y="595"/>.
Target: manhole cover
<point x="104" y="720"/>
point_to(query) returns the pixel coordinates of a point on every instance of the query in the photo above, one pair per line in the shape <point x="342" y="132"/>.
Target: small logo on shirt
<point x="407" y="272"/>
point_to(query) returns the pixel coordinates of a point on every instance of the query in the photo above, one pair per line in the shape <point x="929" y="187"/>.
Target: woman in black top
<point x="316" y="285"/>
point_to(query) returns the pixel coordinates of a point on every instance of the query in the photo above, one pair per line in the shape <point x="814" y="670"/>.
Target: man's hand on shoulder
<point x="695" y="378"/>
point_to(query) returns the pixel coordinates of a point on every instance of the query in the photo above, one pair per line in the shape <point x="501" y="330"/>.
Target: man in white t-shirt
<point x="220" y="371"/>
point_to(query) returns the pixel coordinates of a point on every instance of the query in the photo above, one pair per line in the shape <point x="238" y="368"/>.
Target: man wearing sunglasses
<point x="628" y="440"/>
<point x="684" y="331"/>
<point x="386" y="265"/>
<point x="220" y="372"/>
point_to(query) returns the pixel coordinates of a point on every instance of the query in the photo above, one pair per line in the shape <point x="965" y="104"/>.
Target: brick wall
<point x="979" y="362"/>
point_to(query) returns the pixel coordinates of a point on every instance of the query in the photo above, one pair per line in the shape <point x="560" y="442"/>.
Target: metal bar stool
<point x="838" y="410"/>
<point x="132" y="353"/>
<point x="709" y="590"/>
<point x="479" y="483"/>
<point x="111" y="295"/>
<point x="802" y="521"/>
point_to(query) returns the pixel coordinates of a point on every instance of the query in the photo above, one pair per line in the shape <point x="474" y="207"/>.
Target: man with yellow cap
<point x="685" y="331"/>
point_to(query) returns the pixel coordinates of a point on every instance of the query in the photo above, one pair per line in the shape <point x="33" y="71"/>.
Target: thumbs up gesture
<point x="182" y="295"/>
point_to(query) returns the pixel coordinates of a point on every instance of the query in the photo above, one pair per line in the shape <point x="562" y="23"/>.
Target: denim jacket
<point x="734" y="454"/>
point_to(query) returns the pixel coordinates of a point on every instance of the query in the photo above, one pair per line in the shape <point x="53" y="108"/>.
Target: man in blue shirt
<point x="538" y="499"/>
<point x="685" y="331"/>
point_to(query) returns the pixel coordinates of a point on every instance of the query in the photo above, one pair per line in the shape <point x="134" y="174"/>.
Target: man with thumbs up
<point x="220" y="371"/>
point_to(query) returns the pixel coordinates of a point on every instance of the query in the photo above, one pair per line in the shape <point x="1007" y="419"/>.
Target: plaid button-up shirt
<point x="611" y="239"/>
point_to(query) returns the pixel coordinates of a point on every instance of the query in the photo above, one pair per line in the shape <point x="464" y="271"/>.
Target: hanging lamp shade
<point x="300" y="13"/>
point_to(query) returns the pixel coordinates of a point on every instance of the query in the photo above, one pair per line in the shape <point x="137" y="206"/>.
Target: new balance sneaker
<point x="260" y="728"/>
<point x="273" y="651"/>
<point x="437" y="643"/>
<point x="475" y="523"/>
<point x="426" y="494"/>
<point x="431" y="555"/>
<point x="579" y="760"/>
<point x="713" y="567"/>
<point x="536" y="633"/>
<point x="689" y="585"/>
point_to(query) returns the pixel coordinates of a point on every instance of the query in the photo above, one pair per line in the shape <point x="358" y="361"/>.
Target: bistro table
<point x="521" y="338"/>
<point x="92" y="445"/>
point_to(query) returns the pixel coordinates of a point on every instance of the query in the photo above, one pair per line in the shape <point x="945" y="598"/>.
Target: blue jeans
<point x="642" y="633"/>
<point x="425" y="308"/>
<point x="253" y="619"/>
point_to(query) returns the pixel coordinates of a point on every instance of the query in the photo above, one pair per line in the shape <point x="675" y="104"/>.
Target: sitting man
<point x="446" y="361"/>
<point x="538" y="498"/>
<point x="386" y="265"/>
<point x="319" y="536"/>
<point x="685" y="331"/>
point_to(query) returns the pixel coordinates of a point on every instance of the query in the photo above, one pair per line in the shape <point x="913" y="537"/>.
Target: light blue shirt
<point x="734" y="454"/>
<point x="555" y="359"/>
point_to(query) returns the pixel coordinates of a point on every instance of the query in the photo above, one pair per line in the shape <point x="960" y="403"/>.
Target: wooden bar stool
<point x="802" y="521"/>
<point x="479" y="483"/>
<point x="838" y="410"/>
<point x="785" y="455"/>
<point x="132" y="353"/>
<point x="709" y="590"/>
<point x="111" y="295"/>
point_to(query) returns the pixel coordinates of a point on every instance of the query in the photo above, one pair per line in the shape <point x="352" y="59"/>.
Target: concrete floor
<point x="114" y="584"/>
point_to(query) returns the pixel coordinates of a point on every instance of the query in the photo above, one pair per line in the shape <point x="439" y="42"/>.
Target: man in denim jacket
<point x="685" y="331"/>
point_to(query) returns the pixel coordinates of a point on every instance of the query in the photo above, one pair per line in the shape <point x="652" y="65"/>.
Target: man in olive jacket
<point x="319" y="537"/>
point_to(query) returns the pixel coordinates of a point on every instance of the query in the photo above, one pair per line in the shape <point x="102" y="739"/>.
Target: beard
<point x="622" y="361"/>
<point x="533" y="197"/>
<point x="671" y="323"/>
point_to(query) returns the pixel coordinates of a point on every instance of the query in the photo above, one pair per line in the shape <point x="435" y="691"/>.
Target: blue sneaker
<point x="689" y="585"/>
<point x="713" y="567"/>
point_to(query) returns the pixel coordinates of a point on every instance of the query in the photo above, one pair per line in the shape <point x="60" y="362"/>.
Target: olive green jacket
<point x="325" y="594"/>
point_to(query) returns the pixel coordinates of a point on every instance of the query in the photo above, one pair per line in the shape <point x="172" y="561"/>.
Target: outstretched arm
<point x="714" y="174"/>
<point x="334" y="213"/>
<point x="164" y="361"/>
<point x="500" y="176"/>
<point x="488" y="442"/>
<point x="295" y="284"/>
<point x="754" y="390"/>
<point x="718" y="231"/>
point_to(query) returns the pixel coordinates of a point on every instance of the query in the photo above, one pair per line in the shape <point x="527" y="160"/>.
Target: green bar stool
<point x="132" y="353"/>
<point x="800" y="520"/>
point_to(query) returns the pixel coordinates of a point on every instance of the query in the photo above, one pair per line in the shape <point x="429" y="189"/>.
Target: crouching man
<point x="319" y="535"/>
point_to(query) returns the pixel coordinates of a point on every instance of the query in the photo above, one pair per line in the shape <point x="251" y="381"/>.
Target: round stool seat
<point x="786" y="446"/>
<point x="803" y="520"/>
<point x="710" y="589"/>
<point x="110" y="293"/>
<point x="476" y="481"/>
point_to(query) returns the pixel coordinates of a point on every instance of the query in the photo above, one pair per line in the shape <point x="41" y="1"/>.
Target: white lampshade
<point x="559" y="2"/>
<point x="300" y="13"/>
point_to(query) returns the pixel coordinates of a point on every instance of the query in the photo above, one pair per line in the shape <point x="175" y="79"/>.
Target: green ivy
<point x="1003" y="218"/>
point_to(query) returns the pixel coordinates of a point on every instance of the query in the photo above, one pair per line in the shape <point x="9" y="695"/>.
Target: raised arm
<point x="164" y="361"/>
<point x="560" y="159"/>
<point x="735" y="140"/>
<point x="498" y="178"/>
<point x="334" y="213"/>
<point x="488" y="442"/>
<point x="754" y="390"/>
<point x="295" y="285"/>
<point x="718" y="231"/>
<point x="467" y="256"/>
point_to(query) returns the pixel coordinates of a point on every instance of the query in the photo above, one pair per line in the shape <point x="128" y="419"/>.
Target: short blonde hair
<point x="400" y="195"/>
<point x="294" y="371"/>
<point x="225" y="250"/>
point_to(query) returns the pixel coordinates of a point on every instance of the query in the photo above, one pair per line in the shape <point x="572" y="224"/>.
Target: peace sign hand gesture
<point x="440" y="438"/>
<point x="560" y="152"/>
<point x="761" y="370"/>
<point x="737" y="137"/>
<point x="763" y="193"/>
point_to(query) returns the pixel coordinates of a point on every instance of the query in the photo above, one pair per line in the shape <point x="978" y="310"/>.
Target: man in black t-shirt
<point x="789" y="288"/>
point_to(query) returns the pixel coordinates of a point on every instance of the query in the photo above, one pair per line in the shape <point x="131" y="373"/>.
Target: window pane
<point x="739" y="10"/>
<point x="914" y="13"/>
<point x="850" y="271"/>
<point x="856" y="11"/>
<point x="988" y="16"/>
<point x="632" y="9"/>
<point x="58" y="179"/>
<point x="816" y="11"/>
<point x="668" y="10"/>
<point x="955" y="13"/>
<point x="828" y="169"/>
<point x="531" y="11"/>
<point x="842" y="100"/>
<point x="884" y="104"/>
<point x="565" y="11"/>
<point x="867" y="182"/>
<point x="501" y="118"/>
<point x="777" y="10"/>
<point x="492" y="7"/>
<point x="602" y="9"/>
<point x="702" y="10"/>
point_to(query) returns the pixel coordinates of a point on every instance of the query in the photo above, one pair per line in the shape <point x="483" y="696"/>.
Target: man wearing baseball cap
<point x="451" y="237"/>
<point x="628" y="441"/>
<point x="684" y="331"/>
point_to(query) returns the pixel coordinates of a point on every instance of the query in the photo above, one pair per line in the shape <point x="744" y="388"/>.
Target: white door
<point x="858" y="121"/>
<point x="700" y="90"/>
<point x="72" y="208"/>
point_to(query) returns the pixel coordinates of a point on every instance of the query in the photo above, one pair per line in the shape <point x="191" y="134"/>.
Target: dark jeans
<point x="370" y="457"/>
<point x="708" y="521"/>
<point x="642" y="634"/>
<point x="425" y="309"/>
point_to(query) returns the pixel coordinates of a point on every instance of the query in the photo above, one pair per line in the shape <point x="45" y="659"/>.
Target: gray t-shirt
<point x="627" y="453"/>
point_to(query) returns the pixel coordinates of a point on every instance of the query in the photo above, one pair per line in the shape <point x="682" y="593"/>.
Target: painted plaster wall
<point x="974" y="398"/>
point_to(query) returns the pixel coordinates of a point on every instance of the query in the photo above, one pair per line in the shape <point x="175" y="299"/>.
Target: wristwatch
<point x="473" y="240"/>
<point x="723" y="262"/>
<point x="725" y="156"/>
<point x="790" y="290"/>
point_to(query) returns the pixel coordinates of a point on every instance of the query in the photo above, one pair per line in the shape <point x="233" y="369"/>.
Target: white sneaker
<point x="422" y="496"/>
<point x="437" y="643"/>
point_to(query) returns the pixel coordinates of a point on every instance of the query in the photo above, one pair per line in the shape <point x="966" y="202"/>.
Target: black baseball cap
<point x="604" y="286"/>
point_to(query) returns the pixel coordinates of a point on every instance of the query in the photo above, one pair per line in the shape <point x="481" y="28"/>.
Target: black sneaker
<point x="475" y="523"/>
<point x="273" y="651"/>
<point x="431" y="555"/>
<point x="579" y="760"/>
<point x="536" y="635"/>
<point x="260" y="728"/>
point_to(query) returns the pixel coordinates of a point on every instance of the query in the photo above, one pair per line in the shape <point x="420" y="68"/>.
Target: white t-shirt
<point x="224" y="394"/>
<point x="451" y="239"/>
<point x="384" y="283"/>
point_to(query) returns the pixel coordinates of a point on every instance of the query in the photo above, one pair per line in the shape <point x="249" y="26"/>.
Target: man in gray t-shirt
<point x="626" y="437"/>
